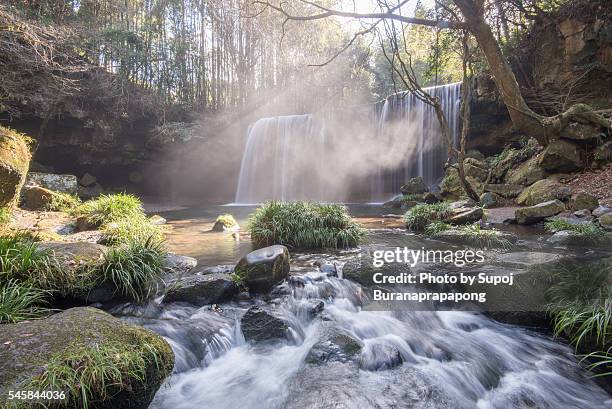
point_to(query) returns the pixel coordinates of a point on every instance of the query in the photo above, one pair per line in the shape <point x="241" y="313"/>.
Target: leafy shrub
<point x="422" y="214"/>
<point x="588" y="231"/>
<point x="110" y="208"/>
<point x="20" y="301"/>
<point x="304" y="225"/>
<point x="133" y="268"/>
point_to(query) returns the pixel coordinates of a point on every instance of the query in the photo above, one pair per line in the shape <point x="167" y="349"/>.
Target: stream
<point x="408" y="359"/>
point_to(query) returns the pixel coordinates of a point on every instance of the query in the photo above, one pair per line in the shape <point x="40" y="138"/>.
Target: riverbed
<point x="408" y="359"/>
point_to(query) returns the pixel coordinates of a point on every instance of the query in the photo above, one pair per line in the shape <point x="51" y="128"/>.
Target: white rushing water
<point x="426" y="359"/>
<point x="340" y="157"/>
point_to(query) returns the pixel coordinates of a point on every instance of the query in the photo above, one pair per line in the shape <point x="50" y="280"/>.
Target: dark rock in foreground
<point x="72" y="340"/>
<point x="260" y="326"/>
<point x="264" y="268"/>
<point x="202" y="289"/>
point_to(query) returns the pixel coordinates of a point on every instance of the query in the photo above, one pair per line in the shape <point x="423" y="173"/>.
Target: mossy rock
<point x="476" y="169"/>
<point x="543" y="191"/>
<point x="561" y="156"/>
<point x="14" y="162"/>
<point x="83" y="340"/>
<point x="450" y="187"/>
<point x="38" y="198"/>
<point x="526" y="173"/>
<point x="583" y="200"/>
<point x="225" y="222"/>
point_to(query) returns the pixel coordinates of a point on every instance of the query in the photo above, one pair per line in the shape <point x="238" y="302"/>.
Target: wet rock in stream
<point x="202" y="289"/>
<point x="262" y="269"/>
<point x="261" y="326"/>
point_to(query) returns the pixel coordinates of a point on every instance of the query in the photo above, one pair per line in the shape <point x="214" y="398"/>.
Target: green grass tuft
<point x="437" y="227"/>
<point x="133" y="268"/>
<point x="20" y="301"/>
<point x="64" y="202"/>
<point x="588" y="231"/>
<point x="421" y="215"/>
<point x="110" y="208"/>
<point x="94" y="374"/>
<point x="304" y="225"/>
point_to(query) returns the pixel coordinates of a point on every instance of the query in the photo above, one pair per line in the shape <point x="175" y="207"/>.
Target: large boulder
<point x="72" y="255"/>
<point x="202" y="289"/>
<point x="475" y="169"/>
<point x="538" y="212"/>
<point x="561" y="156"/>
<point x="38" y="198"/>
<point x="603" y="154"/>
<point x="58" y="183"/>
<point x="262" y="269"/>
<point x="415" y="186"/>
<point x="259" y="325"/>
<point x="14" y="161"/>
<point x="450" y="186"/>
<point x="87" y="180"/>
<point x="80" y="341"/>
<point x="542" y="191"/>
<point x="505" y="190"/>
<point x="583" y="200"/>
<point x="526" y="173"/>
<point x="490" y="200"/>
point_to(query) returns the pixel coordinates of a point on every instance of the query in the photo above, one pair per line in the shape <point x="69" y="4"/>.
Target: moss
<point x="5" y="215"/>
<point x="100" y="361"/>
<point x="14" y="162"/>
<point x="227" y="220"/>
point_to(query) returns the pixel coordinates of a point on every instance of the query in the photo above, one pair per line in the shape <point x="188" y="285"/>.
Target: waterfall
<point x="305" y="157"/>
<point x="430" y="153"/>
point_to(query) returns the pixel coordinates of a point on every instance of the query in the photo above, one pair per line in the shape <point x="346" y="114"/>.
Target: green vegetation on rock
<point x="110" y="208"/>
<point x="304" y="225"/>
<point x="587" y="231"/>
<point x="99" y="361"/>
<point x="421" y="215"/>
<point x="471" y="234"/>
<point x="14" y="163"/>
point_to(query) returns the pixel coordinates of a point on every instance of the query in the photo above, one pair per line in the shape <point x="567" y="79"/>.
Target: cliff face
<point x="561" y="61"/>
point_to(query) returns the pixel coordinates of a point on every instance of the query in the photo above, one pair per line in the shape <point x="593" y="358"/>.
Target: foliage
<point x="20" y="301"/>
<point x="139" y="229"/>
<point x="110" y="208"/>
<point x="588" y="231"/>
<point x="98" y="371"/>
<point x="472" y="233"/>
<point x="422" y="214"/>
<point x="64" y="202"/>
<point x="304" y="225"/>
<point x="133" y="268"/>
<point x="227" y="220"/>
<point x="580" y="304"/>
<point x="437" y="227"/>
<point x="22" y="259"/>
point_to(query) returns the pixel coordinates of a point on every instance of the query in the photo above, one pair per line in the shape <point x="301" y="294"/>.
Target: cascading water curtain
<point x="303" y="157"/>
<point x="405" y="116"/>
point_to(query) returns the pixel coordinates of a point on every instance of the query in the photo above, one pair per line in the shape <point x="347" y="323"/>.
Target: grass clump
<point x="437" y="227"/>
<point x="580" y="304"/>
<point x="421" y="215"/>
<point x="472" y="234"/>
<point x="22" y="259"/>
<point x="226" y="220"/>
<point x="20" y="301"/>
<point x="304" y="225"/>
<point x="110" y="208"/>
<point x="139" y="229"/>
<point x="587" y="231"/>
<point x="134" y="268"/>
<point x="64" y="202"/>
<point x="95" y="374"/>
